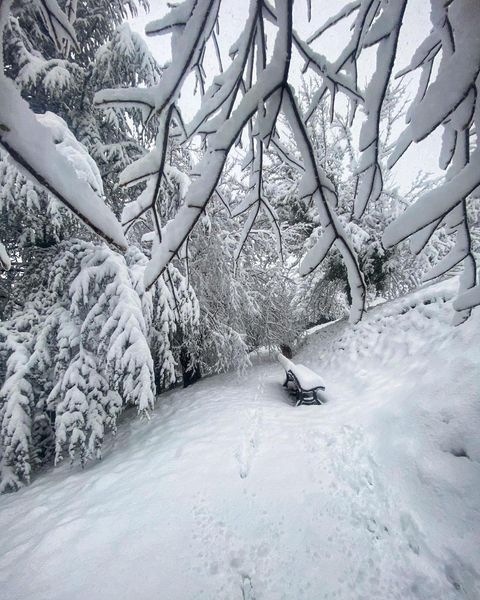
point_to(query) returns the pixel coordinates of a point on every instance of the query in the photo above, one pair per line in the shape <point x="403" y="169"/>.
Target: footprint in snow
<point x="247" y="588"/>
<point x="245" y="454"/>
<point x="249" y="444"/>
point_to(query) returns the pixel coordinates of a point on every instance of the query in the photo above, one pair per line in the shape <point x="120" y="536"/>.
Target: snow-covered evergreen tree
<point x="80" y="347"/>
<point x="78" y="353"/>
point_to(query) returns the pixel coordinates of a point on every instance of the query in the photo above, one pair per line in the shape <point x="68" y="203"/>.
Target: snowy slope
<point x="231" y="493"/>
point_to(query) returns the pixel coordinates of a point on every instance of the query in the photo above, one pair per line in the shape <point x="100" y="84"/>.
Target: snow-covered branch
<point x="247" y="97"/>
<point x="451" y="101"/>
<point x="41" y="160"/>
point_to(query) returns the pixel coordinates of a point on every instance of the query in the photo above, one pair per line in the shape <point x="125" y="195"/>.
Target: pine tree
<point x="78" y="353"/>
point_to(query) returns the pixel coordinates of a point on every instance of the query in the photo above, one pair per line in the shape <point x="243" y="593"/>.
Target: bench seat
<point x="308" y="379"/>
<point x="301" y="380"/>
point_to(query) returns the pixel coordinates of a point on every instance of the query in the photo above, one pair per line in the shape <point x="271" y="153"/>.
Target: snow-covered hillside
<point x="230" y="492"/>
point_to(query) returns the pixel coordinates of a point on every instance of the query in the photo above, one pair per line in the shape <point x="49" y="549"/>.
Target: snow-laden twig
<point x="452" y="101"/>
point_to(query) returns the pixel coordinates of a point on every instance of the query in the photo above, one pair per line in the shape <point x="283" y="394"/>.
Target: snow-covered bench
<point x="302" y="381"/>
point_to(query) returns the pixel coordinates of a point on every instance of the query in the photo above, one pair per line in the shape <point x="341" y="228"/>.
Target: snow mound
<point x="231" y="492"/>
<point x="73" y="150"/>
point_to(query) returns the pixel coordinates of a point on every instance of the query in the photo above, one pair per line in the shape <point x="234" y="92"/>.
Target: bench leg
<point x="299" y="397"/>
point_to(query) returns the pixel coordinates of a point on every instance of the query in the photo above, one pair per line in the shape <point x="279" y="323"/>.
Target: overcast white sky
<point x="423" y="156"/>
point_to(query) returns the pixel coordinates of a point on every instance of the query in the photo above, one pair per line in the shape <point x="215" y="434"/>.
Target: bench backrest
<point x="288" y="365"/>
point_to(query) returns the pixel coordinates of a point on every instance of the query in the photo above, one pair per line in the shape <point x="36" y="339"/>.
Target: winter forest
<point x="200" y="201"/>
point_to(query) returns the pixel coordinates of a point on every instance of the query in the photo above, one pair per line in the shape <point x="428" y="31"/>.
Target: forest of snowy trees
<point x="146" y="241"/>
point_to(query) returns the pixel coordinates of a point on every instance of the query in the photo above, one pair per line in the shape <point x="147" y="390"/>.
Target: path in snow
<point x="230" y="492"/>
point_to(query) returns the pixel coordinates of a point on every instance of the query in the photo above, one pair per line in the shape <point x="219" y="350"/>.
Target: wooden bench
<point x="302" y="382"/>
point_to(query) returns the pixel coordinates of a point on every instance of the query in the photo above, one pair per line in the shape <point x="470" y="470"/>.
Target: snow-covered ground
<point x="230" y="492"/>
